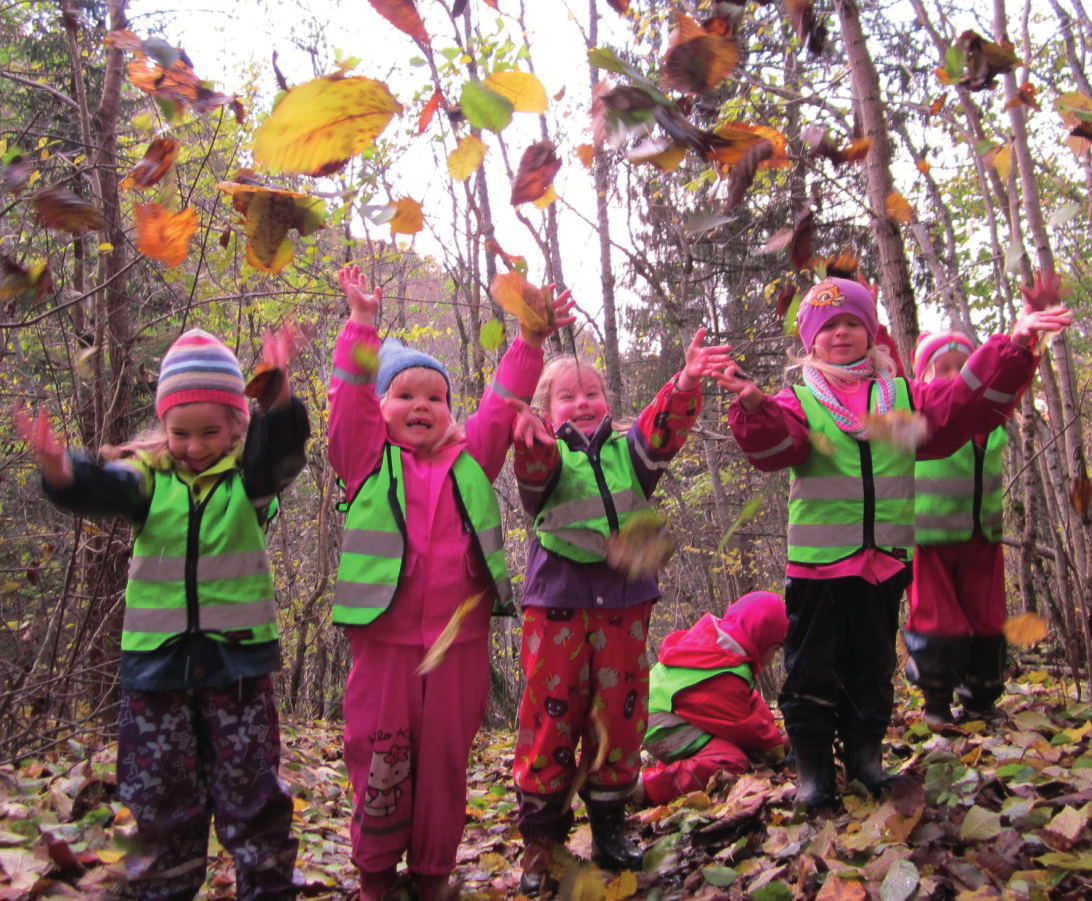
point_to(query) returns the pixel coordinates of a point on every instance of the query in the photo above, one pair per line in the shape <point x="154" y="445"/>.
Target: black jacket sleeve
<point x="101" y="490"/>
<point x="274" y="452"/>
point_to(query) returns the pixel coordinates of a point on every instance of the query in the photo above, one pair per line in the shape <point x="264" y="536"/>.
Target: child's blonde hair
<point x="151" y="444"/>
<point x="454" y="433"/>
<point x="541" y="399"/>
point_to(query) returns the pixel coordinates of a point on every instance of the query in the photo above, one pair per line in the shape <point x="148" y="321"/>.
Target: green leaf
<point x="984" y="146"/>
<point x="789" y="326"/>
<point x="900" y="882"/>
<point x="492" y="334"/>
<point x="954" y="61"/>
<point x="1063" y="214"/>
<point x="485" y="108"/>
<point x="980" y="825"/>
<point x="719" y="876"/>
<point x="774" y="891"/>
<point x="604" y="58"/>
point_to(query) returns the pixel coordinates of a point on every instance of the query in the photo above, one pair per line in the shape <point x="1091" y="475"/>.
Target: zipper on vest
<point x="869" y="491"/>
<point x="193" y="550"/>
<point x="979" y="469"/>
<point x="604" y="491"/>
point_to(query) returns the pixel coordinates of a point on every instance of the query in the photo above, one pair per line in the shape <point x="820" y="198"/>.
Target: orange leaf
<point x="537" y="168"/>
<point x="842" y="265"/>
<point x="898" y="208"/>
<point x="923" y="167"/>
<point x="408" y="218"/>
<point x="265" y="385"/>
<point x="1026" y="629"/>
<point x="58" y="208"/>
<point x="835" y="888"/>
<point x="156" y="162"/>
<point x="163" y="235"/>
<point x="937" y="105"/>
<point x="435" y="654"/>
<point x="729" y="142"/>
<point x="429" y="110"/>
<point x="515" y="295"/>
<point x="403" y="15"/>
<point x="1024" y="96"/>
<point x="586" y="154"/>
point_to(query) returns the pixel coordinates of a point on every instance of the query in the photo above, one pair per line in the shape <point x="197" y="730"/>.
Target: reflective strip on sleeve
<point x="353" y="378"/>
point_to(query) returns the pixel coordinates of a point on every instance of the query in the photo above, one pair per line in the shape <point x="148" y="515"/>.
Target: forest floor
<point x="986" y="812"/>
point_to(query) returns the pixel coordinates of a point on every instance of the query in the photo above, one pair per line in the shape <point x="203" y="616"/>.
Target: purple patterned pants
<point x="187" y="756"/>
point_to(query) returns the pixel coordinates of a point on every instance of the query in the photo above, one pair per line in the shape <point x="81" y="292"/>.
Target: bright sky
<point x="223" y="41"/>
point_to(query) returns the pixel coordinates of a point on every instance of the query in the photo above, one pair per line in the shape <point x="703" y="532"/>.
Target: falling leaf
<point x="465" y="159"/>
<point x="408" y="218"/>
<point x="513" y="262"/>
<point x="403" y="15"/>
<point x="548" y="198"/>
<point x="746" y="513"/>
<point x="905" y="430"/>
<point x="822" y="443"/>
<point x="59" y="208"/>
<point x="820" y="144"/>
<point x="1000" y="159"/>
<point x="163" y="235"/>
<point x="729" y="143"/>
<point x="1075" y="110"/>
<point x="619" y="6"/>
<point x="898" y="208"/>
<point x="522" y="89"/>
<point x="485" y="108"/>
<point x="366" y="357"/>
<point x="1024" y="96"/>
<point x="266" y="385"/>
<point x="700" y="223"/>
<point x="923" y="167"/>
<point x="807" y="26"/>
<point x="1063" y="214"/>
<point x="15" y="174"/>
<point x="642" y="547"/>
<point x="743" y="173"/>
<point x="322" y="122"/>
<point x="1026" y="629"/>
<point x="619" y="112"/>
<point x="665" y="154"/>
<point x="429" y="110"/>
<point x="435" y="654"/>
<point x="537" y="168"/>
<point x="696" y="62"/>
<point x="16" y="279"/>
<point x="586" y="154"/>
<point x="796" y="239"/>
<point x="784" y="298"/>
<point x="843" y="264"/>
<point x="584" y="882"/>
<point x="492" y="335"/>
<point x="156" y="162"/>
<point x="514" y="294"/>
<point x="985" y="60"/>
<point x="937" y="105"/>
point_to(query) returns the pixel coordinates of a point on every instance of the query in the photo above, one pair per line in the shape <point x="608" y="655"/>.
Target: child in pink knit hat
<point x="198" y="734"/>
<point x="957" y="599"/>
<point x="851" y="510"/>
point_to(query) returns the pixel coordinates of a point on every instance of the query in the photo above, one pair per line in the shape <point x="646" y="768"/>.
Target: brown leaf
<point x="586" y="154"/>
<point x="537" y="168"/>
<point x="163" y="235"/>
<point x="282" y="83"/>
<point x="1024" y="96"/>
<point x="807" y="26"/>
<point x="60" y="208"/>
<point x="843" y="264"/>
<point x="156" y="162"/>
<point x="265" y="385"/>
<point x="819" y="144"/>
<point x="985" y="60"/>
<point x="800" y="243"/>
<point x="728" y="143"/>
<point x="1080" y="498"/>
<point x="403" y="15"/>
<point x="697" y="61"/>
<point x="784" y="299"/>
<point x="15" y="174"/>
<point x="642" y="547"/>
<point x="16" y="279"/>
<point x="619" y="6"/>
<point x="743" y="173"/>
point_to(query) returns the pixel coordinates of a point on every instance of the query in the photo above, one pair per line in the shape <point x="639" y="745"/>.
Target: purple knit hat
<point x="931" y="346"/>
<point x="198" y="368"/>
<point x="829" y="298"/>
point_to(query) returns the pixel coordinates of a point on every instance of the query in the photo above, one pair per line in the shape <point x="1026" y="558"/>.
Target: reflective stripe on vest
<point x="199" y="568"/>
<point x="669" y="736"/>
<point x="596" y="493"/>
<point x="962" y="493"/>
<point x="860" y="496"/>
<point x="374" y="542"/>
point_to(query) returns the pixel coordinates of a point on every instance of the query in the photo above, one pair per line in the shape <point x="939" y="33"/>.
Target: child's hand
<point x="702" y="361"/>
<point x="363" y="304"/>
<point x="734" y="380"/>
<point x="562" y="306"/>
<point x="54" y="462"/>
<point x="1044" y="292"/>
<point x="528" y="428"/>
<point x="1029" y="326"/>
<point x="277" y="351"/>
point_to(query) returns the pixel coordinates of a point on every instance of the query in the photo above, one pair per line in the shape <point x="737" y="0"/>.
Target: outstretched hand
<point x="54" y="462"/>
<point x="528" y="428"/>
<point x="363" y="303"/>
<point x="278" y="349"/>
<point x="733" y="379"/>
<point x="1029" y="326"/>
<point x="1045" y="291"/>
<point x="562" y="316"/>
<point x="702" y="361"/>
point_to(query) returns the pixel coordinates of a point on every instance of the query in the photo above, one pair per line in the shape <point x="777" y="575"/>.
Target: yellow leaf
<point x="107" y="855"/>
<point x="546" y="199"/>
<point x="586" y="154"/>
<point x="281" y="257"/>
<point x="523" y="89"/>
<point x="515" y="295"/>
<point x="898" y="208"/>
<point x="407" y="218"/>
<point x="1001" y="160"/>
<point x="465" y="159"/>
<point x="1026" y="629"/>
<point x="622" y="886"/>
<point x="583" y="883"/>
<point x="322" y="122"/>
<point x="435" y="655"/>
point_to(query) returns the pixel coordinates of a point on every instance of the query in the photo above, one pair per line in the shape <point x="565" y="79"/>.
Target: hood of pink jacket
<point x="749" y="626"/>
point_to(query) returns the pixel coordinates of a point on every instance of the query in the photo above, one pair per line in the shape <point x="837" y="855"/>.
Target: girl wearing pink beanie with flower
<point x="851" y="509"/>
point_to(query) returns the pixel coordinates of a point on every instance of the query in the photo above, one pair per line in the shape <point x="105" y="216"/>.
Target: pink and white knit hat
<point x="931" y="346"/>
<point x="198" y="368"/>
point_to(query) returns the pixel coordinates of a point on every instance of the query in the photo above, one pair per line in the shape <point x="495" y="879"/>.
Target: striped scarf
<point x="844" y="418"/>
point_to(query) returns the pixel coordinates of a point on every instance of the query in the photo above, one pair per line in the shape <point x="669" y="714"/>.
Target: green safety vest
<point x="199" y="568"/>
<point x="962" y="493"/>
<point x="669" y="736"/>
<point x="596" y="493"/>
<point x="373" y="548"/>
<point x="860" y="496"/>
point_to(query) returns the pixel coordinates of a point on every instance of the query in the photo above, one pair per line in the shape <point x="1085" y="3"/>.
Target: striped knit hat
<point x="931" y="346"/>
<point x="198" y="368"/>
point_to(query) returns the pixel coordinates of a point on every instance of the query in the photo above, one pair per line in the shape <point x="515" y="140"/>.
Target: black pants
<point x="840" y="658"/>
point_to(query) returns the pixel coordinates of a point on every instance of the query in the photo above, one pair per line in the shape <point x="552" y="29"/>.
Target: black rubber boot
<point x="815" y="776"/>
<point x="611" y="847"/>
<point x="864" y="762"/>
<point x="937" y="711"/>
<point x="984" y="682"/>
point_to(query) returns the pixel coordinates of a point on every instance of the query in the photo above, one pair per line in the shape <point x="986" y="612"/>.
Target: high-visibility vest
<point x="373" y="548"/>
<point x="199" y="568"/>
<point x="859" y="496"/>
<point x="596" y="493"/>
<point x="962" y="493"/>
<point x="669" y="736"/>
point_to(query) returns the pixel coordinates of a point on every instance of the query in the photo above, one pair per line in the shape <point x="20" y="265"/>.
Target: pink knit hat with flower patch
<point x="931" y="346"/>
<point x="198" y="368"/>
<point x="829" y="298"/>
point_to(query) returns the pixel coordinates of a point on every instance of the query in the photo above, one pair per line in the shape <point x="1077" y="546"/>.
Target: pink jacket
<point x="441" y="570"/>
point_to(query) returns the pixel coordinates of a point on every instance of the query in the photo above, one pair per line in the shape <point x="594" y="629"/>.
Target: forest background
<point x="945" y="170"/>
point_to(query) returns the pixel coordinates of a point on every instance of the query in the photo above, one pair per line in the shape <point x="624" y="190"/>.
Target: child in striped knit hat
<point x="851" y="510"/>
<point x="198" y="732"/>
